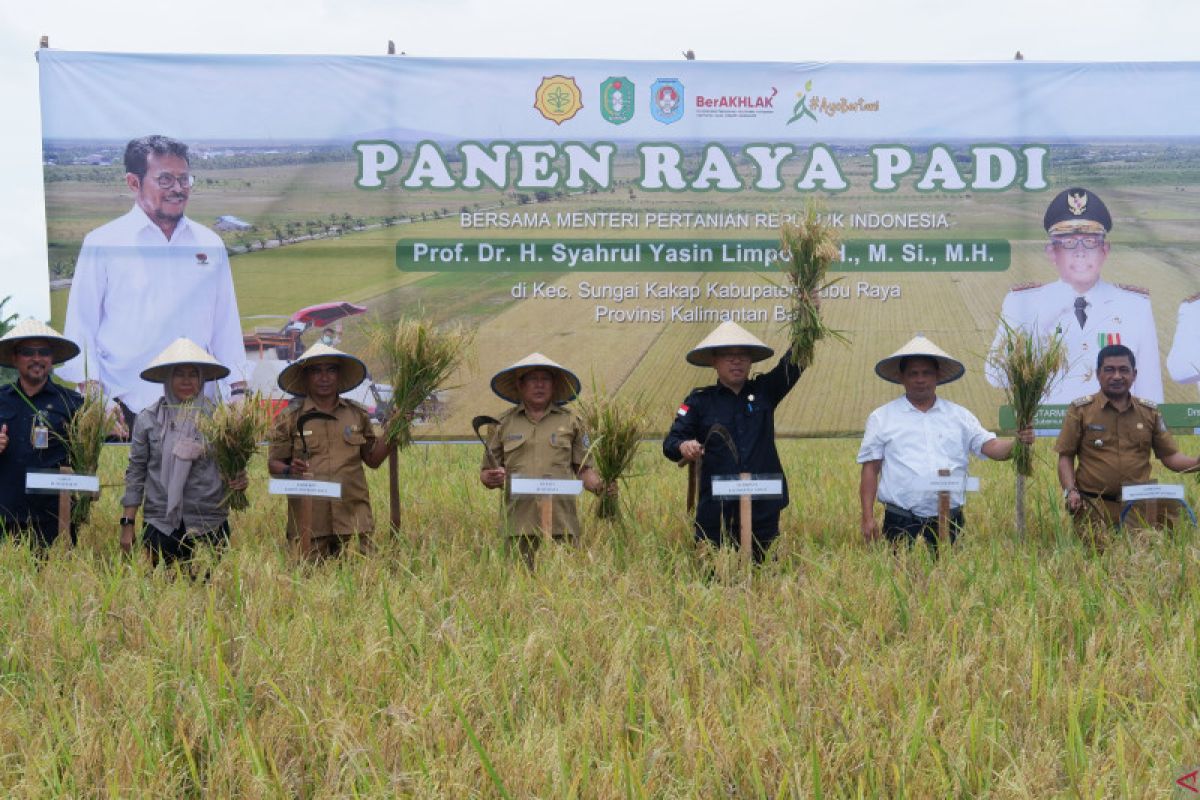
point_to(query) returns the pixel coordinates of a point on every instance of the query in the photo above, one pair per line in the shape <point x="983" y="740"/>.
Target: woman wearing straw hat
<point x="910" y="439"/>
<point x="170" y="474"/>
<point x="324" y="435"/>
<point x="539" y="438"/>
<point x="745" y="408"/>
<point x="34" y="416"/>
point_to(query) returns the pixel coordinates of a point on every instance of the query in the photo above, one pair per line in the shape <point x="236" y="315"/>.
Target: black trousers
<point x="904" y="526"/>
<point x="719" y="523"/>
<point x="170" y="548"/>
<point x="41" y="530"/>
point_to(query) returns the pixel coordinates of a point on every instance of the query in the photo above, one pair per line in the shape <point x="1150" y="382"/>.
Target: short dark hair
<point x="906" y="360"/>
<point x="1115" y="351"/>
<point x="139" y="150"/>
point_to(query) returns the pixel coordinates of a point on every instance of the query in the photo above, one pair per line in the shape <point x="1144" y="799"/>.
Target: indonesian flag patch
<point x="683" y="409"/>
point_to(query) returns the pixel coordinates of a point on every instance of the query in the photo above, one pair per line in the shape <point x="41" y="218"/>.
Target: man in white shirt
<point x="1183" y="362"/>
<point x="909" y="439"/>
<point x="147" y="278"/>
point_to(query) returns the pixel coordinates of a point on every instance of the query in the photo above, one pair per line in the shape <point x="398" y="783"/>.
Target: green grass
<point x="440" y="668"/>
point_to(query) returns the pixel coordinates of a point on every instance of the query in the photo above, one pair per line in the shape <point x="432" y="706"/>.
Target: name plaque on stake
<point x="948" y="483"/>
<point x="754" y="486"/>
<point x="544" y="486"/>
<point x="1152" y="491"/>
<point x="292" y="487"/>
<point x="61" y="482"/>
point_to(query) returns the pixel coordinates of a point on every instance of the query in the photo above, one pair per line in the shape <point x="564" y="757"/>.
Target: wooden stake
<point x="306" y="521"/>
<point x="64" y="508"/>
<point x="943" y="511"/>
<point x="546" y="509"/>
<point x="394" y="488"/>
<point x="745" y="519"/>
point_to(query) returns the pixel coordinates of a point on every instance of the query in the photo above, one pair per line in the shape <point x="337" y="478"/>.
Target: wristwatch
<point x="1067" y="492"/>
<point x="126" y="521"/>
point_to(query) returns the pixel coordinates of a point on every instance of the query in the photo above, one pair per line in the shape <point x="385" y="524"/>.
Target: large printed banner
<point x="610" y="214"/>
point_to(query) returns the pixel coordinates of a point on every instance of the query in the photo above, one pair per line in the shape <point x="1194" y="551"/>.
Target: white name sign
<point x="62" y="482"/>
<point x="949" y="483"/>
<point x="1152" y="491"/>
<point x="305" y="488"/>
<point x="754" y="487"/>
<point x="544" y="486"/>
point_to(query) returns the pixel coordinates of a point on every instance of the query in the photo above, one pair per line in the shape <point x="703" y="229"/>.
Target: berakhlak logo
<point x="666" y="100"/>
<point x="1191" y="781"/>
<point x="616" y="100"/>
<point x="801" y="109"/>
<point x="558" y="98"/>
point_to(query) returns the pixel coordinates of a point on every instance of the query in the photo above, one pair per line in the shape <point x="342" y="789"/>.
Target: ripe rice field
<point x="629" y="666"/>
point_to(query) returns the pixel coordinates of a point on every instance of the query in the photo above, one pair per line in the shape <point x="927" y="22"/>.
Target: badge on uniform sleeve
<point x="683" y="409"/>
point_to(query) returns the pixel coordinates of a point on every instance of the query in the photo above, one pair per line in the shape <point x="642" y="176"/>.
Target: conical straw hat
<point x="351" y="373"/>
<point x="728" y="334"/>
<point x="62" y="348"/>
<point x="504" y="382"/>
<point x="949" y="368"/>
<point x="183" y="351"/>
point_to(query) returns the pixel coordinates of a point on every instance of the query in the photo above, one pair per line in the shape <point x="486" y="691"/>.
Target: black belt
<point x="904" y="513"/>
<point x="1100" y="496"/>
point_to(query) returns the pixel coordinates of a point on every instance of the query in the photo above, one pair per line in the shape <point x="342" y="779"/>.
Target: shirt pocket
<point x="513" y="445"/>
<point x="561" y="442"/>
<point x="354" y="438"/>
<point x="311" y="443"/>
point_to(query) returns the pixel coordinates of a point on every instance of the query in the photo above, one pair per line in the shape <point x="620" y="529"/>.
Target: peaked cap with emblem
<point x="728" y="335"/>
<point x="351" y="371"/>
<point x="178" y="353"/>
<point x="566" y="384"/>
<point x="1077" y="210"/>
<point x="949" y="368"/>
<point x="61" y="348"/>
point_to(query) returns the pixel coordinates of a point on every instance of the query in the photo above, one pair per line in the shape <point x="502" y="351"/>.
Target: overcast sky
<point x="766" y="30"/>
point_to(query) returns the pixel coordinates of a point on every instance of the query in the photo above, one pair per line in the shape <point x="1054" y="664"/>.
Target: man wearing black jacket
<point x="745" y="407"/>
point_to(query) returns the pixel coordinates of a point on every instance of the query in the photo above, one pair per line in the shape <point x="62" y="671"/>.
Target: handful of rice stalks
<point x="233" y="433"/>
<point x="811" y="245"/>
<point x="418" y="359"/>
<point x="616" y="426"/>
<point x="1030" y="365"/>
<point x="86" y="432"/>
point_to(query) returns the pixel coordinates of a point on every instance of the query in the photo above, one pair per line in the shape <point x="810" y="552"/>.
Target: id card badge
<point x="40" y="434"/>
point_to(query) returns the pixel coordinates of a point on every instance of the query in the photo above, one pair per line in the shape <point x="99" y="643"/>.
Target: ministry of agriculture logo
<point x="666" y="100"/>
<point x="558" y="98"/>
<point x="616" y="100"/>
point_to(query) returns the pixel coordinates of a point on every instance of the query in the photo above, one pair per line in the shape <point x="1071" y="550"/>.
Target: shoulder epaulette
<point x="1146" y="403"/>
<point x="1135" y="289"/>
<point x="1193" y="298"/>
<point x="700" y="390"/>
<point x="1080" y="402"/>
<point x="1020" y="287"/>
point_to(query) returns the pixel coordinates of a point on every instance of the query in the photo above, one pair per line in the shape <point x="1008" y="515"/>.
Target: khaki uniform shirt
<point x="1113" y="447"/>
<point x="336" y="445"/>
<point x="553" y="447"/>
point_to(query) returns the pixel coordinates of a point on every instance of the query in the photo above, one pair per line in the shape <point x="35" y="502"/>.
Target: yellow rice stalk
<point x="86" y="432"/>
<point x="811" y="245"/>
<point x="418" y="359"/>
<point x="233" y="432"/>
<point x="1030" y="365"/>
<point x="616" y="425"/>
